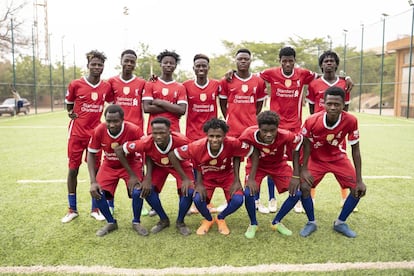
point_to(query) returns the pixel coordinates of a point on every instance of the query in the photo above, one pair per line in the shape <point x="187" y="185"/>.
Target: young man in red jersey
<point x="85" y="100"/>
<point x="164" y="97"/>
<point x="156" y="147"/>
<point x="127" y="89"/>
<point x="268" y="159"/>
<point x="106" y="137"/>
<point x="217" y="160"/>
<point x="324" y="133"/>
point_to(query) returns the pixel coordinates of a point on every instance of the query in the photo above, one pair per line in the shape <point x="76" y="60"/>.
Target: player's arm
<point x="304" y="173"/>
<point x="147" y="181"/>
<point x="259" y="106"/>
<point x="236" y="186"/>
<point x="223" y="107"/>
<point x="251" y="182"/>
<point x="186" y="182"/>
<point x="95" y="189"/>
<point x="151" y="108"/>
<point x="177" y="109"/>
<point x="71" y="114"/>
<point x="295" y="180"/>
<point x="360" y="189"/>
<point x="133" y="179"/>
<point x="199" y="186"/>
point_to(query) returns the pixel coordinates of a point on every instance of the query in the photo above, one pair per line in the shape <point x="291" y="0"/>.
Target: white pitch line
<point x="32" y="127"/>
<point x="270" y="268"/>
<point x="28" y="181"/>
<point x="387" y="176"/>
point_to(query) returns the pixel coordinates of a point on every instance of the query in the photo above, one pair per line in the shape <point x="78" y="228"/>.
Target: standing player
<point x="324" y="133"/>
<point x="328" y="62"/>
<point x="268" y="159"/>
<point x="165" y="97"/>
<point x="156" y="147"/>
<point x="85" y="100"/>
<point x="217" y="160"/>
<point x="128" y="89"/>
<point x="107" y="136"/>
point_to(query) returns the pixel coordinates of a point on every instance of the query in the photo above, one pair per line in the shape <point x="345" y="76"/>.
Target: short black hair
<point x="128" y="52"/>
<point x="114" y="108"/>
<point x="201" y="56"/>
<point x="335" y="91"/>
<point x="215" y="123"/>
<point x="287" y="51"/>
<point x="167" y="53"/>
<point x="161" y="120"/>
<point x="268" y="117"/>
<point x="326" y="54"/>
<point x="95" y="54"/>
<point x="243" y="50"/>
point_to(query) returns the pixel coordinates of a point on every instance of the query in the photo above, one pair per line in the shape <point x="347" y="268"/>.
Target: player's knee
<point x="136" y="193"/>
<point x="305" y="189"/>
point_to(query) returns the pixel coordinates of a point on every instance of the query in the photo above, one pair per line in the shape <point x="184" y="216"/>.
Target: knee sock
<point x="153" y="200"/>
<point x="102" y="204"/>
<point x="289" y="203"/>
<point x="271" y="187"/>
<point x="250" y="206"/>
<point x="184" y="205"/>
<point x="307" y="204"/>
<point x="349" y="205"/>
<point x="202" y="207"/>
<point x="136" y="205"/>
<point x="72" y="202"/>
<point x="235" y="202"/>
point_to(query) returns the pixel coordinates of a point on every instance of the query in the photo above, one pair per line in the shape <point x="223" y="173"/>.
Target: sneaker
<point x="344" y="229"/>
<point x="141" y="230"/>
<point x="96" y="214"/>
<point x="144" y="211"/>
<point x="222" y="227"/>
<point x="192" y="210"/>
<point x="251" y="231"/>
<point x="261" y="208"/>
<point x="221" y="207"/>
<point x="272" y="205"/>
<point x="281" y="229"/>
<point x="342" y="205"/>
<point x="182" y="228"/>
<point x="204" y="227"/>
<point x="109" y="227"/>
<point x="162" y="224"/>
<point x="308" y="229"/>
<point x="70" y="216"/>
<point x="298" y="208"/>
<point x="213" y="209"/>
<point x="152" y="213"/>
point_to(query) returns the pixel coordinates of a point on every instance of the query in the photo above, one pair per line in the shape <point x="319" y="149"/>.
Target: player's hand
<point x="201" y="190"/>
<point x="294" y="186"/>
<point x="133" y="181"/>
<point x="229" y="75"/>
<point x="251" y="183"/>
<point x="96" y="191"/>
<point x="349" y="84"/>
<point x="236" y="186"/>
<point x="153" y="78"/>
<point x="186" y="183"/>
<point x="360" y="190"/>
<point x="72" y="115"/>
<point x="146" y="187"/>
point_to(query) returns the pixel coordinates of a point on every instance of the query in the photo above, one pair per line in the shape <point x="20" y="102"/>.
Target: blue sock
<point x="153" y="200"/>
<point x="307" y="204"/>
<point x="102" y="204"/>
<point x="184" y="205"/>
<point x="202" y="207"/>
<point x="72" y="202"/>
<point x="136" y="205"/>
<point x="289" y="203"/>
<point x="235" y="202"/>
<point x="271" y="187"/>
<point x="94" y="205"/>
<point x="349" y="205"/>
<point x="250" y="206"/>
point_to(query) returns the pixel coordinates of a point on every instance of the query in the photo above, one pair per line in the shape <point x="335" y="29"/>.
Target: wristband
<point x="295" y="176"/>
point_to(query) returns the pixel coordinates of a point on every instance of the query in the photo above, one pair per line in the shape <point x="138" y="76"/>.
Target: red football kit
<point x="202" y="106"/>
<point x="272" y="158"/>
<point x="242" y="96"/>
<point x="128" y="94"/>
<point x="162" y="166"/>
<point x="216" y="170"/>
<point x="111" y="169"/>
<point x="172" y="92"/>
<point x="327" y="154"/>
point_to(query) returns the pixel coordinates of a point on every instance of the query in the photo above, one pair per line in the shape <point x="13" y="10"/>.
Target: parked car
<point x="13" y="107"/>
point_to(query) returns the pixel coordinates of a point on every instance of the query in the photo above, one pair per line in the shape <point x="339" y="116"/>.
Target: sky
<point x="190" y="26"/>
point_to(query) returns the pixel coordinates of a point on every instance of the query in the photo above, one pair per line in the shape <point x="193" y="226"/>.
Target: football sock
<point x="235" y="202"/>
<point x="250" y="205"/>
<point x="307" y="204"/>
<point x="153" y="200"/>
<point x="289" y="203"/>
<point x="349" y="205"/>
<point x="202" y="207"/>
<point x="94" y="206"/>
<point x="72" y="202"/>
<point x="103" y="206"/>
<point x="137" y="202"/>
<point x="271" y="187"/>
<point x="184" y="205"/>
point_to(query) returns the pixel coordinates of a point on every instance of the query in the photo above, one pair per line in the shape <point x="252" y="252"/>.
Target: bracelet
<point x="295" y="176"/>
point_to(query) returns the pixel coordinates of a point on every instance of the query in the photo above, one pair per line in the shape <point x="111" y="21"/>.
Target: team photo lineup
<point x="140" y="142"/>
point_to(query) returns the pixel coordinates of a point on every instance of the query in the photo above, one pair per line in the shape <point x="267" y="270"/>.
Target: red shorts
<point x="342" y="169"/>
<point x="223" y="182"/>
<point x="76" y="146"/>
<point x="160" y="174"/>
<point x="108" y="177"/>
<point x="281" y="174"/>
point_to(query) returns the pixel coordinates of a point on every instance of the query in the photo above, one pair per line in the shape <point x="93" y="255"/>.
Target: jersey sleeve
<point x="71" y="93"/>
<point x="310" y="96"/>
<point x="262" y="90"/>
<point x="353" y="135"/>
<point x="94" y="145"/>
<point x="147" y="92"/>
<point x="223" y="94"/>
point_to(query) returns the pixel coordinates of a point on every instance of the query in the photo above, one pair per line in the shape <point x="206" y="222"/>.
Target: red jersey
<point x="326" y="141"/>
<point x="158" y="156"/>
<point x="128" y="94"/>
<point x="202" y="106"/>
<point x="316" y="91"/>
<point x="271" y="154"/>
<point x="286" y="94"/>
<point x="213" y="166"/>
<point x="103" y="140"/>
<point x="88" y="103"/>
<point x="172" y="92"/>
<point x="242" y="96"/>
